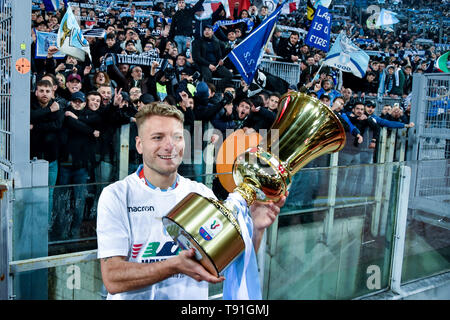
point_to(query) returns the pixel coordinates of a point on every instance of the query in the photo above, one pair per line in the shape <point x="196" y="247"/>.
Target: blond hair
<point x="158" y="109"/>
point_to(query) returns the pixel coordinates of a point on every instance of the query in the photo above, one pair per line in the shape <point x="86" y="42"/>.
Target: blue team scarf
<point x="241" y="276"/>
<point x="219" y="23"/>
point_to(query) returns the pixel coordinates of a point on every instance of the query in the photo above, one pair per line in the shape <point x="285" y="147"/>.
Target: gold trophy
<point x="304" y="129"/>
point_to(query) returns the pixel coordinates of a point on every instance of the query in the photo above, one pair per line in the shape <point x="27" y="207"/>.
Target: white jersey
<point x="129" y="223"/>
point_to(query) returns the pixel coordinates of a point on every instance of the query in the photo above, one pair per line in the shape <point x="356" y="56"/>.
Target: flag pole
<point x="281" y="3"/>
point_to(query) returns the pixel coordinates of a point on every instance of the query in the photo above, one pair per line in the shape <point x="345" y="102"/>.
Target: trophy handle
<point x="234" y="145"/>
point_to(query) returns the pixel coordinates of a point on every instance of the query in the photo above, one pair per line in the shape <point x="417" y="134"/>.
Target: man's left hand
<point x="263" y="215"/>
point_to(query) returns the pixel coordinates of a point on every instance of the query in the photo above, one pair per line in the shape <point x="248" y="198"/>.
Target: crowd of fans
<point x="78" y="107"/>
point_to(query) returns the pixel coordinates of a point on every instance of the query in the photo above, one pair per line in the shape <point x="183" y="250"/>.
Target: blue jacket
<point x="386" y="123"/>
<point x="353" y="130"/>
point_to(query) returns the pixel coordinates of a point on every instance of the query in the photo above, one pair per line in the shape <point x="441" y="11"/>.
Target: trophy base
<point x="186" y="242"/>
<point x="207" y="226"/>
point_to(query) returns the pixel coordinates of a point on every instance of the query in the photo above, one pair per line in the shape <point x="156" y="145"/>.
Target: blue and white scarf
<point x="241" y="276"/>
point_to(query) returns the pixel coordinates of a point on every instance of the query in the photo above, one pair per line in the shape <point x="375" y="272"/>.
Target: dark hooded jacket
<point x="182" y="20"/>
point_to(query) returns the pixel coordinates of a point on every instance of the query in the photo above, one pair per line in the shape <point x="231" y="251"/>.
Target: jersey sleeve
<point x="113" y="235"/>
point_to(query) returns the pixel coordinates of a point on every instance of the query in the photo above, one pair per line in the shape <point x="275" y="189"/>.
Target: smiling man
<point x="139" y="260"/>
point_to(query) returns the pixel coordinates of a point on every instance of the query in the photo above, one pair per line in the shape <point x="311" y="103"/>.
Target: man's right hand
<point x="51" y="51"/>
<point x="187" y="265"/>
<point x="54" y="107"/>
<point x="360" y="138"/>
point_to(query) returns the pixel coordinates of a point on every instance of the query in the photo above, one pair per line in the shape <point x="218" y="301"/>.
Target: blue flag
<point x="346" y="56"/>
<point x="51" y="5"/>
<point x="319" y="32"/>
<point x="247" y="54"/>
<point x="43" y="41"/>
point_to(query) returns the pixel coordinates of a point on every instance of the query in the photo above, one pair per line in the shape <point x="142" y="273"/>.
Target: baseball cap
<point x="370" y="104"/>
<point x="126" y="96"/>
<point x="78" y="96"/>
<point x="74" y="76"/>
<point x="146" y="98"/>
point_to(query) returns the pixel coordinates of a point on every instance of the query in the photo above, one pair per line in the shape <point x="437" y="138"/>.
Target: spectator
<point x="98" y="79"/>
<point x="385" y="111"/>
<point x="370" y="86"/>
<point x="327" y="89"/>
<point x="370" y="112"/>
<point x="106" y="94"/>
<point x="263" y="14"/>
<point x="260" y="116"/>
<point x="205" y="108"/>
<point x="338" y="108"/>
<point x="207" y="54"/>
<point x="136" y="77"/>
<point x="289" y="49"/>
<point x="397" y="114"/>
<point x="46" y="120"/>
<point x="61" y="80"/>
<point x="56" y="90"/>
<point x="349" y="99"/>
<point x="325" y="99"/>
<point x="79" y="144"/>
<point x="160" y="83"/>
<point x="135" y="94"/>
<point x="351" y="153"/>
<point x="274" y="44"/>
<point x="200" y="21"/>
<point x="363" y="123"/>
<point x="219" y="14"/>
<point x="73" y="84"/>
<point x="130" y="47"/>
<point x="392" y="82"/>
<point x="181" y="26"/>
<point x="407" y="85"/>
<point x="274" y="100"/>
<point x="230" y="118"/>
<point x="103" y="48"/>
<point x="308" y="70"/>
<point x="132" y="42"/>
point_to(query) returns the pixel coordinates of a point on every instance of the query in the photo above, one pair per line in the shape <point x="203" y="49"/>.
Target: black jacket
<point x="369" y="87"/>
<point x="286" y="49"/>
<point x="199" y="49"/>
<point x="263" y="119"/>
<point x="79" y="141"/>
<point x="407" y="85"/>
<point x="363" y="125"/>
<point x="182" y="21"/>
<point x="45" y="135"/>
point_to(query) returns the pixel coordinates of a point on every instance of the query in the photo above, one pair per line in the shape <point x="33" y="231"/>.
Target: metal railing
<point x="284" y="70"/>
<point x="431" y="112"/>
<point x="5" y="90"/>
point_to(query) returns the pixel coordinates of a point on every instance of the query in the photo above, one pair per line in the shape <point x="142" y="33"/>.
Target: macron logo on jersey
<point x="141" y="209"/>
